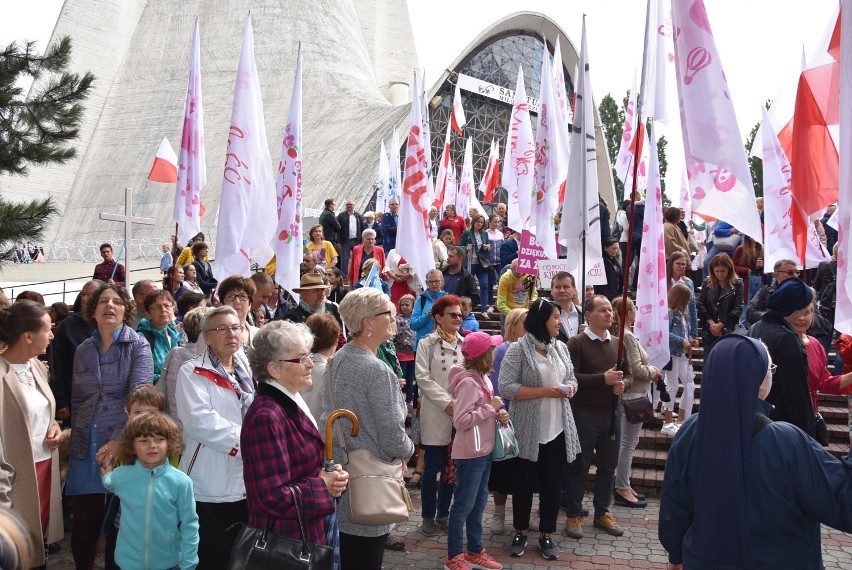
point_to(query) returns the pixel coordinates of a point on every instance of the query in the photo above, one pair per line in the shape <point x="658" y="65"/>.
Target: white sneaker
<point x="498" y="525"/>
<point x="669" y="429"/>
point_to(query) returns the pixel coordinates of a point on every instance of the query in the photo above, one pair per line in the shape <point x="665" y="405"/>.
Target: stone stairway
<point x="650" y="457"/>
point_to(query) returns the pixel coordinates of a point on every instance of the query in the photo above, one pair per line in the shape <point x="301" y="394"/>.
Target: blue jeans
<point x="470" y="499"/>
<point x="408" y="375"/>
<point x="485" y="284"/>
<point x="435" y="457"/>
<point x="755" y="282"/>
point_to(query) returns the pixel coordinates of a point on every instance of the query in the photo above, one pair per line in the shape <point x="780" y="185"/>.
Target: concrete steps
<point x="650" y="456"/>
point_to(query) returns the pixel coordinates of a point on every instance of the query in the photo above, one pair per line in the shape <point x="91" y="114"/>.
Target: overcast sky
<point x="760" y="42"/>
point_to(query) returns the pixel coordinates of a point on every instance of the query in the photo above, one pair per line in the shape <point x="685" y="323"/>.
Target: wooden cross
<point x="128" y="219"/>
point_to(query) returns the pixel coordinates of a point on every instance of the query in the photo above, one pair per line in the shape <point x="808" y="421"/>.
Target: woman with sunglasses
<point x="437" y="352"/>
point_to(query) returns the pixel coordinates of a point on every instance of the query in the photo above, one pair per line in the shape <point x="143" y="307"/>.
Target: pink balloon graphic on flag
<point x="697" y="59"/>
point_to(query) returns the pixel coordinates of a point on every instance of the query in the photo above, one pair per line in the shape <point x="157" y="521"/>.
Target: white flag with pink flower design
<point x="652" y="311"/>
<point x="288" y="189"/>
<point x="247" y="210"/>
<point x="192" y="165"/>
<point x="518" y="159"/>
<point x="550" y="170"/>
<point x="717" y="169"/>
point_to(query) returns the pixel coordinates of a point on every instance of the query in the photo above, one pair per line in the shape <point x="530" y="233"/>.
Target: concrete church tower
<point x="359" y="58"/>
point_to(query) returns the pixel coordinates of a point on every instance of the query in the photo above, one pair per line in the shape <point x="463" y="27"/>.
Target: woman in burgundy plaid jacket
<point x="280" y="442"/>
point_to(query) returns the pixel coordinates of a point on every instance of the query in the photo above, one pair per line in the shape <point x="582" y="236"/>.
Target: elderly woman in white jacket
<point x="437" y="352"/>
<point x="214" y="392"/>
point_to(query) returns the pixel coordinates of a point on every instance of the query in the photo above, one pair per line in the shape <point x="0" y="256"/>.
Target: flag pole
<point x="170" y="280"/>
<point x="630" y="222"/>
<point x="636" y="142"/>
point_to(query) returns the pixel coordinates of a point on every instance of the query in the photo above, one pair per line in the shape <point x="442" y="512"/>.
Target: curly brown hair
<point x="129" y="307"/>
<point x="146" y="425"/>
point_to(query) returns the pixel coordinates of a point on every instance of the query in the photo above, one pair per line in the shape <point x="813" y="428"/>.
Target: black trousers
<point x="593" y="431"/>
<point x="215" y="542"/>
<point x="543" y="477"/>
<point x="361" y="552"/>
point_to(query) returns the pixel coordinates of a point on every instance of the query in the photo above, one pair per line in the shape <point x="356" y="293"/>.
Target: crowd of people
<point x="172" y="411"/>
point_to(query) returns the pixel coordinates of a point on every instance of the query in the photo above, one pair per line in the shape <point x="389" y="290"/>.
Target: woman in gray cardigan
<point x="639" y="386"/>
<point x="538" y="377"/>
<point x="362" y="383"/>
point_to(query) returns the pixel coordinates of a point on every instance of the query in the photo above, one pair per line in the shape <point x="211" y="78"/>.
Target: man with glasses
<point x="757" y="307"/>
<point x="422" y="322"/>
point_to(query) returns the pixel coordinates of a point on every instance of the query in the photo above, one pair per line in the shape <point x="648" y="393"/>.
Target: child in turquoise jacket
<point x="159" y="525"/>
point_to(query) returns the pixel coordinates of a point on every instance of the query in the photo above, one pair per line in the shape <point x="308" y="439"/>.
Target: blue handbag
<point x="505" y="442"/>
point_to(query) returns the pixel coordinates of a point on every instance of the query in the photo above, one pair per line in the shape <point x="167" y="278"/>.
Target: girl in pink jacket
<point x="475" y="413"/>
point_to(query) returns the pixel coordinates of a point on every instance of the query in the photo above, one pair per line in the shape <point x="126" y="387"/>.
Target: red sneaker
<point x="457" y="562"/>
<point x="482" y="561"/>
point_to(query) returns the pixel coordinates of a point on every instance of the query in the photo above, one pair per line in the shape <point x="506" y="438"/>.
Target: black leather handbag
<point x="638" y="411"/>
<point x="257" y="549"/>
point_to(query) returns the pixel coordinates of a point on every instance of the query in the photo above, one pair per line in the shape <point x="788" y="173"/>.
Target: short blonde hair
<point x="192" y="322"/>
<point x="369" y="232"/>
<point x="360" y="304"/>
<point x="514" y="317"/>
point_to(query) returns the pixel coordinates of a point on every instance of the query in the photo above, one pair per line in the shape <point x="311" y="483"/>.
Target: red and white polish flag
<point x="164" y="168"/>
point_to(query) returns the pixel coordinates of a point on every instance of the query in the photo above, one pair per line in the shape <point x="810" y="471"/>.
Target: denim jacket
<point x="677" y="333"/>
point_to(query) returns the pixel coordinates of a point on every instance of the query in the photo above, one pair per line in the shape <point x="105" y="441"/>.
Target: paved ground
<point x="638" y="548"/>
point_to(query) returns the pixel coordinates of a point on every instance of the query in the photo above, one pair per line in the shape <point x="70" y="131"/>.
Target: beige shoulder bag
<point x="377" y="493"/>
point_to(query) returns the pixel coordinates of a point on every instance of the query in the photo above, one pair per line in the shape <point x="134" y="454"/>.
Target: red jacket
<point x="280" y="447"/>
<point x="355" y="262"/>
<point x="457" y="225"/>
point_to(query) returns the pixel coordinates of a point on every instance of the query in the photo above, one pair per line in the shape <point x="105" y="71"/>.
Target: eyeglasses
<point x="454" y="315"/>
<point x="388" y="313"/>
<point x="223" y="330"/>
<point x="432" y="281"/>
<point x="164" y="307"/>
<point x="772" y="368"/>
<point x="301" y="360"/>
<point x="240" y="298"/>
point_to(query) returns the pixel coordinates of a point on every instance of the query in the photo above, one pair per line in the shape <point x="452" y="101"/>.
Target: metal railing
<point x="67" y="292"/>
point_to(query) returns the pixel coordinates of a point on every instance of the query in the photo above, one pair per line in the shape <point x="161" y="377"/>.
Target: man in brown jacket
<point x="594" y="353"/>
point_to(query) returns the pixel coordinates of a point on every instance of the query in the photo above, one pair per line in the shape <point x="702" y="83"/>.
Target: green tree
<point x="612" y="119"/>
<point x="755" y="164"/>
<point x="36" y="128"/>
<point x="664" y="167"/>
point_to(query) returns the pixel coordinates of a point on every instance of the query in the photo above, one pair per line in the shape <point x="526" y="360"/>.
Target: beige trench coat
<point x="18" y="484"/>
<point x="436" y="426"/>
